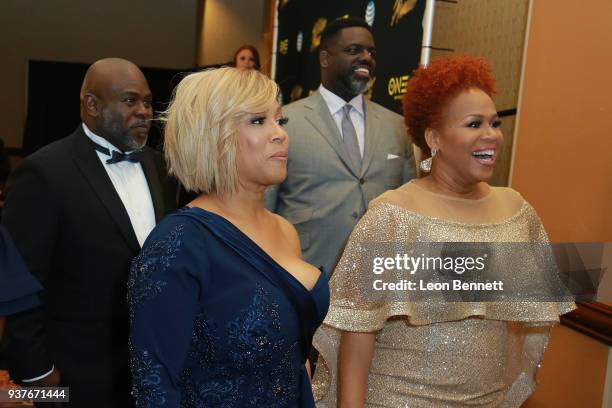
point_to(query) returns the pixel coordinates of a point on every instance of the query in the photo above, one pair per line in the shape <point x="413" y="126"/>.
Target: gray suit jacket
<point x="323" y="196"/>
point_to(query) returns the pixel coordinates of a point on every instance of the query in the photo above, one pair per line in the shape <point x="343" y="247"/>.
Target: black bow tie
<point x="135" y="157"/>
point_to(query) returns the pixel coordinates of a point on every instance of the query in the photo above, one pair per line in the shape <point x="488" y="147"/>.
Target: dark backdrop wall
<point x="151" y="33"/>
<point x="53" y="100"/>
<point x="398" y="32"/>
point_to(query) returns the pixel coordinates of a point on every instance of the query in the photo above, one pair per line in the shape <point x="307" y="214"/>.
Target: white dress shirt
<point x="335" y="104"/>
<point x="131" y="185"/>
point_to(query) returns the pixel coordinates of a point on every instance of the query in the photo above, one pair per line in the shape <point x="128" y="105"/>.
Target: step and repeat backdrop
<point x="397" y="28"/>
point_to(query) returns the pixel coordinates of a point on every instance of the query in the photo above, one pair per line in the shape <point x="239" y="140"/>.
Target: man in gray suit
<point x="343" y="149"/>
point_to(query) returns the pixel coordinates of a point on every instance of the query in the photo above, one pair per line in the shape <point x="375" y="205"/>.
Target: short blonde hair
<point x="200" y="136"/>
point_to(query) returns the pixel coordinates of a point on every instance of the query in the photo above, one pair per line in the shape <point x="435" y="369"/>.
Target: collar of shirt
<point x="336" y="103"/>
<point x="130" y="183"/>
<point x="100" y="140"/>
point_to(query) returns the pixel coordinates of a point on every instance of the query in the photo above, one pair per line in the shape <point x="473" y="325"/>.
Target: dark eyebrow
<point x="479" y="116"/>
<point x="134" y="93"/>
<point x="360" y="45"/>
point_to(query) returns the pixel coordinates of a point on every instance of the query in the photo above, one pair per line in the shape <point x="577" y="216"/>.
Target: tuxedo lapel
<point x="153" y="180"/>
<point x="89" y="164"/>
<point x="372" y="126"/>
<point x="320" y="118"/>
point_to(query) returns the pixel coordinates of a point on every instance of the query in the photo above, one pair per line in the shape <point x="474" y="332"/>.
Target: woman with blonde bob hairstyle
<point x="222" y="307"/>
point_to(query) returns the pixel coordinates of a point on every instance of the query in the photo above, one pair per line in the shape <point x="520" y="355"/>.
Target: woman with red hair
<point x="246" y="57"/>
<point x="401" y="333"/>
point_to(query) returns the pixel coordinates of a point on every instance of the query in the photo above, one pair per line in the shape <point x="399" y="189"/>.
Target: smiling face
<point x="348" y="62"/>
<point x="262" y="148"/>
<point x="245" y="59"/>
<point x="468" y="138"/>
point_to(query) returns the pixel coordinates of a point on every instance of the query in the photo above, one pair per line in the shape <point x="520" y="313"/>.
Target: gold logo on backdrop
<point x="397" y="86"/>
<point x="283" y="3"/>
<point x="296" y="93"/>
<point x="283" y="46"/>
<point x="400" y="9"/>
<point x="317" y="29"/>
<point x="368" y="94"/>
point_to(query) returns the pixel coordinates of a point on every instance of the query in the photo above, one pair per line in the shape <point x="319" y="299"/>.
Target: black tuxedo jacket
<point x="75" y="235"/>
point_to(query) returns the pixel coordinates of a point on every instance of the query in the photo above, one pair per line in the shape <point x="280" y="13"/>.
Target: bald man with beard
<point x="79" y="210"/>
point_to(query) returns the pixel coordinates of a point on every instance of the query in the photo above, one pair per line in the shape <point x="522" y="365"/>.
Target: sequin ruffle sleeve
<point x="393" y="229"/>
<point x="349" y="309"/>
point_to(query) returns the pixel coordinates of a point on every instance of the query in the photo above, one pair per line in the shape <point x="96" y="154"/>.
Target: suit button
<point x="355" y="215"/>
<point x="361" y="181"/>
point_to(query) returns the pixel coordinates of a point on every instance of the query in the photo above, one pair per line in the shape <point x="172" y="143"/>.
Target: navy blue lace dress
<point x="215" y="322"/>
<point x="18" y="288"/>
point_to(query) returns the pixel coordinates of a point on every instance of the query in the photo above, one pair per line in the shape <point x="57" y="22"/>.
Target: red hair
<point x="430" y="88"/>
<point x="253" y="51"/>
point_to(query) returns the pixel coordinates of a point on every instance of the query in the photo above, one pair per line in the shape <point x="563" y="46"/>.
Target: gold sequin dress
<point x="434" y="353"/>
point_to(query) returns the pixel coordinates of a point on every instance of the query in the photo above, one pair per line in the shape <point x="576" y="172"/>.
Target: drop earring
<point x="426" y="164"/>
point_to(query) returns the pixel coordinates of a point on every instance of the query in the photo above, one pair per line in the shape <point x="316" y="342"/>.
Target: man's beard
<point x="355" y="86"/>
<point x="112" y="130"/>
